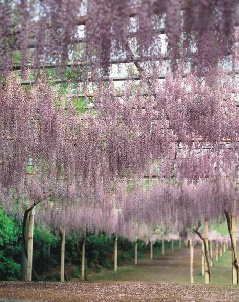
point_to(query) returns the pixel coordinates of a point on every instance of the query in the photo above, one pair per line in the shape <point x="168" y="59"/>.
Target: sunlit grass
<point x="173" y="267"/>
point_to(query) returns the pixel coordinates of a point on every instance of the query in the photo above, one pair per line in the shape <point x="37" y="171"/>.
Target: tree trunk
<point x="30" y="244"/>
<point x="136" y="252"/>
<point x="179" y="244"/>
<point x="205" y="250"/>
<point x="83" y="267"/>
<point x="191" y="261"/>
<point x="211" y="253"/>
<point x="151" y="250"/>
<point x="231" y="224"/>
<point x="63" y="243"/>
<point x="115" y="253"/>
<point x="207" y="264"/>
<point x="234" y="248"/>
<point x="172" y="242"/>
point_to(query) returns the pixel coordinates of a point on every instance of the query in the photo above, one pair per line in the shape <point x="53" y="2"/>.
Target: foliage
<point x="99" y="251"/>
<point x="10" y="246"/>
<point x="46" y="250"/>
<point x="221" y="228"/>
<point x="191" y="37"/>
<point x="87" y="169"/>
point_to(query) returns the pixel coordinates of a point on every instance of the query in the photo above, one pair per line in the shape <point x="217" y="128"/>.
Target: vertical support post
<point x="30" y="244"/>
<point x="63" y="243"/>
<point x="179" y="243"/>
<point x="83" y="267"/>
<point x="216" y="250"/>
<point x="136" y="251"/>
<point x="220" y="250"/>
<point x="163" y="247"/>
<point x="191" y="262"/>
<point x="172" y="242"/>
<point x="116" y="254"/>
<point x="224" y="247"/>
<point x="151" y="250"/>
<point x="203" y="259"/>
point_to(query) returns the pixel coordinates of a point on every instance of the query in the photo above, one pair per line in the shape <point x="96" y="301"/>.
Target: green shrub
<point x="10" y="246"/>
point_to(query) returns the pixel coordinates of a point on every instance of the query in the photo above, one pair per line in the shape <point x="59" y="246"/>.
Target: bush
<point x="10" y="247"/>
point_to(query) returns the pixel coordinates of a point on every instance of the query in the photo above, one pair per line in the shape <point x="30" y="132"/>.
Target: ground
<point x="163" y="279"/>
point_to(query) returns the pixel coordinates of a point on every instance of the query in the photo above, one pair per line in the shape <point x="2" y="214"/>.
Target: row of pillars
<point x="205" y="264"/>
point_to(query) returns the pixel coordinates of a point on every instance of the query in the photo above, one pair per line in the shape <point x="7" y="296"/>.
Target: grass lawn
<point x="173" y="267"/>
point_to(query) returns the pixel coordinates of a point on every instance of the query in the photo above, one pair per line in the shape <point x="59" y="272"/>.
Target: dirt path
<point x="100" y="292"/>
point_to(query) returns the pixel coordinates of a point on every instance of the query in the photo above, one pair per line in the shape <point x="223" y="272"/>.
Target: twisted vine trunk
<point x="231" y="224"/>
<point x="211" y="253"/>
<point x="207" y="270"/>
<point x="207" y="255"/>
<point x="23" y="272"/>
<point x="27" y="243"/>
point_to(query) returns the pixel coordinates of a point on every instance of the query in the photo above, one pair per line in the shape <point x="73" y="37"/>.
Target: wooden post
<point x="151" y="250"/>
<point x="172" y="241"/>
<point x="220" y="250"/>
<point x="163" y="247"/>
<point x="116" y="254"/>
<point x="83" y="266"/>
<point x="234" y="243"/>
<point x="207" y="268"/>
<point x="224" y="247"/>
<point x="216" y="251"/>
<point x="136" y="251"/>
<point x="63" y="243"/>
<point x="203" y="259"/>
<point x="191" y="261"/>
<point x="180" y="243"/>
<point x="30" y="244"/>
